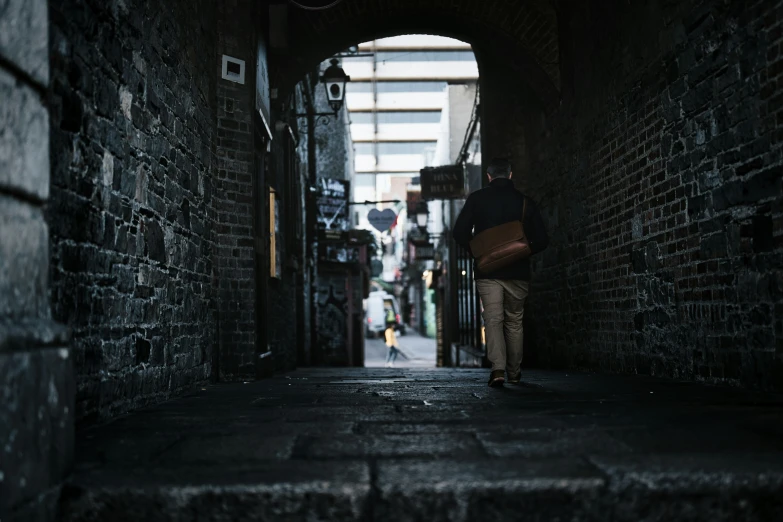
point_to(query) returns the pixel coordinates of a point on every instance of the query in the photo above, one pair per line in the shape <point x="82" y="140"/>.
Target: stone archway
<point x="524" y="34"/>
<point x="516" y="46"/>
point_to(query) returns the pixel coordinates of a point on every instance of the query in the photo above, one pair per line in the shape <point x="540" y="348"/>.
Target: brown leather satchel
<point x="500" y="246"/>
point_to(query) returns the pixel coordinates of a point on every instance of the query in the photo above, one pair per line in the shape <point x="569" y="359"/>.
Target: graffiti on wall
<point x="332" y="319"/>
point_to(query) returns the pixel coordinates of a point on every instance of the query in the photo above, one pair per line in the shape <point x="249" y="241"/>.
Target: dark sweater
<point x="494" y="205"/>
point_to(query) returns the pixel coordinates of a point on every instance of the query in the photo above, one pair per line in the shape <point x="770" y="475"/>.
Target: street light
<point x="422" y="216"/>
<point x="334" y="80"/>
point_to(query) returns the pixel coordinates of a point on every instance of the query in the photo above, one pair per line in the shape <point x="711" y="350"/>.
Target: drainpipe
<point x="310" y="110"/>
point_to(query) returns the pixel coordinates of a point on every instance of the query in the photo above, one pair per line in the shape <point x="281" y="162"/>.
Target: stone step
<point x="618" y="488"/>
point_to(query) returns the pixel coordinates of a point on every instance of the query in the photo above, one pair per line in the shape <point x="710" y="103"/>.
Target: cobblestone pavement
<point x="438" y="445"/>
<point x="418" y="351"/>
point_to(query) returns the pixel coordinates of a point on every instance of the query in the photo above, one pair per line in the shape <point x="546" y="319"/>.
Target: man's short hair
<point x="499" y="168"/>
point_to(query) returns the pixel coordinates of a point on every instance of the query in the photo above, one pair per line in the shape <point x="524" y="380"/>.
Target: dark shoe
<point x="514" y="379"/>
<point x="496" y="378"/>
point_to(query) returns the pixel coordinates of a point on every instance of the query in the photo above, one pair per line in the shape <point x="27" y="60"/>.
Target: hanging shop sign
<point x="381" y="220"/>
<point x="424" y="252"/>
<point x="417" y="238"/>
<point x="447" y="182"/>
<point x="338" y="253"/>
<point x="412" y="200"/>
<point x="332" y="204"/>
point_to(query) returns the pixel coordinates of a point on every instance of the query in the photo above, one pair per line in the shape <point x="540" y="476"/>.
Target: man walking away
<point x="504" y="291"/>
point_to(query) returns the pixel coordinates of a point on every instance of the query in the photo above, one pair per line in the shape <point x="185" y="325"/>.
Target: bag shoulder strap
<point x="524" y="209"/>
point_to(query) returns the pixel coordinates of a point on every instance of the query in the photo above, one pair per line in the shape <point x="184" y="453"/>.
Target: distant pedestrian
<point x="504" y="289"/>
<point x="391" y="343"/>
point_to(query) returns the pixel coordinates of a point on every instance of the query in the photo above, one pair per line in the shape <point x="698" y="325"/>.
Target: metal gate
<point x="467" y="324"/>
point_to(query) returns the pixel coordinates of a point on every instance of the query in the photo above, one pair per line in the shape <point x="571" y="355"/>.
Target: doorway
<point x="263" y="364"/>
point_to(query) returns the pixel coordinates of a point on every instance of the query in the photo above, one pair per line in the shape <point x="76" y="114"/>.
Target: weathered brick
<point x="24" y="147"/>
<point x="24" y="253"/>
<point x="112" y="226"/>
<point x="24" y="37"/>
<point x="721" y="163"/>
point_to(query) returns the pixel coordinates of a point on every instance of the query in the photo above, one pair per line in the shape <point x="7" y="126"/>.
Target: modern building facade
<point x="397" y="99"/>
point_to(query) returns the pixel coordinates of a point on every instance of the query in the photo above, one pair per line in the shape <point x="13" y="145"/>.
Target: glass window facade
<point x="362" y="149"/>
<point x="397" y="117"/>
<point x="361" y="117"/>
<point x="364" y="180"/>
<point x="415" y="56"/>
<point x="396" y="86"/>
<point x="395" y="147"/>
<point x="347" y="59"/>
<point x="425" y="56"/>
<point x="409" y="117"/>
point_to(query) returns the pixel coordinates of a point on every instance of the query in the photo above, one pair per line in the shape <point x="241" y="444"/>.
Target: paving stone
<point x="386" y="446"/>
<point x="686" y="437"/>
<point x="581" y="451"/>
<point x="698" y="486"/>
<point x="24" y="260"/>
<point x="126" y="447"/>
<point x="550" y="443"/>
<point x="315" y="491"/>
<point x="536" y="490"/>
<point x="228" y="448"/>
<point x="36" y="415"/>
<point x="474" y="424"/>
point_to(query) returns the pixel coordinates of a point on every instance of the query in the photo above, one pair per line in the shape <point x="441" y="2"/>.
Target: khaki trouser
<point x="504" y="307"/>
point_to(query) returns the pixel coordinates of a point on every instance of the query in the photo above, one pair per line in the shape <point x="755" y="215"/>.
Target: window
<point x="361" y="117"/>
<point x="358" y="87"/>
<point x="364" y="180"/>
<point x="404" y="147"/>
<point x="409" y="117"/>
<point x="425" y="56"/>
<point x="396" y="86"/>
<point x="362" y="58"/>
<point x="363" y="149"/>
<point x="412" y="86"/>
<point x="397" y="117"/>
<point x="395" y="147"/>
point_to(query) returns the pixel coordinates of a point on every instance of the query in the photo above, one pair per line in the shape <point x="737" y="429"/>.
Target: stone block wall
<point x="661" y="180"/>
<point x="132" y="94"/>
<point x="36" y="373"/>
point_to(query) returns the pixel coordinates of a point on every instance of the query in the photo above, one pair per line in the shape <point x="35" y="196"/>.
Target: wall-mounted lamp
<point x="334" y="80"/>
<point x="422" y="216"/>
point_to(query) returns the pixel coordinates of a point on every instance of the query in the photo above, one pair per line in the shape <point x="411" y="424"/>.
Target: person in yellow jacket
<point x="391" y="342"/>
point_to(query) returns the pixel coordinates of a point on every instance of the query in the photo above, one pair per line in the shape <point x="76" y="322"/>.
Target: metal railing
<point x="466" y="305"/>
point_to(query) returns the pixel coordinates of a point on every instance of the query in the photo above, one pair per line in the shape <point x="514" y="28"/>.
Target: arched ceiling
<point x="520" y="33"/>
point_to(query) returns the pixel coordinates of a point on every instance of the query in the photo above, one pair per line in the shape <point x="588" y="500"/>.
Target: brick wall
<point x="283" y="302"/>
<point x="661" y="179"/>
<point x="234" y="215"/>
<point x="255" y="311"/>
<point x="130" y="214"/>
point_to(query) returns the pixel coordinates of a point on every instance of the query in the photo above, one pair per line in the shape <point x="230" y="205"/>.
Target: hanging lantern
<point x="334" y="80"/>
